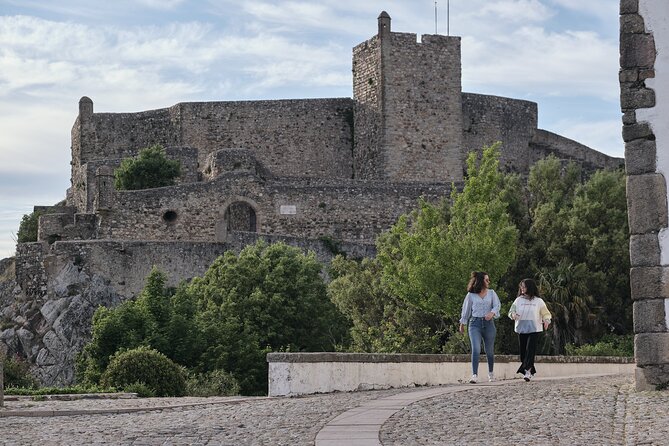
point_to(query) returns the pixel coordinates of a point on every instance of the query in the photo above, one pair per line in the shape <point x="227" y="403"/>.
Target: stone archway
<point x="238" y="214"/>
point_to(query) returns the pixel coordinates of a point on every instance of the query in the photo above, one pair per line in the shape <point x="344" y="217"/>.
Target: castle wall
<point x="487" y="119"/>
<point x="644" y="100"/>
<point x="307" y="137"/>
<point x="545" y="143"/>
<point x="354" y="211"/>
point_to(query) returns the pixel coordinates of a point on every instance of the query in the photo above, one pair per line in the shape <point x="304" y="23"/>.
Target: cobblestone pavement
<point x="585" y="411"/>
<point x="592" y="411"/>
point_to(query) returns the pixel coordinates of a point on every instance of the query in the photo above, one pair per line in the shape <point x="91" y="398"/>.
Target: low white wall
<point x="306" y="373"/>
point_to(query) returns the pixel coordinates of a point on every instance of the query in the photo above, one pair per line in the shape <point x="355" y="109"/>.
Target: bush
<point x="141" y="389"/>
<point x="148" y="366"/>
<point x="214" y="383"/>
<point x="610" y="345"/>
<point x="28" y="228"/>
<point x="149" y="169"/>
<point x="16" y="373"/>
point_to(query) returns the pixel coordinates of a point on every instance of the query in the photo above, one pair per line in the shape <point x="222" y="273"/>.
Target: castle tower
<point x="408" y="115"/>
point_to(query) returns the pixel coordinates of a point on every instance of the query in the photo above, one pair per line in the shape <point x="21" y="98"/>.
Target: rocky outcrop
<point x="50" y="330"/>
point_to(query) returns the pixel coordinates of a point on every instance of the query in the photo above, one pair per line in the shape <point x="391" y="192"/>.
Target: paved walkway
<point x="575" y="411"/>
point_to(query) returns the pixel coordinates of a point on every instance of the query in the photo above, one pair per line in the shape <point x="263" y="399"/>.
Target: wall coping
<point x="431" y="358"/>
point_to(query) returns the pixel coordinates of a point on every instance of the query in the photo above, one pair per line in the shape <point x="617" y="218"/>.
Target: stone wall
<point x="644" y="98"/>
<point x="545" y="143"/>
<point x="292" y="374"/>
<point x="353" y="211"/>
<point x="306" y="137"/>
<point x="488" y="119"/>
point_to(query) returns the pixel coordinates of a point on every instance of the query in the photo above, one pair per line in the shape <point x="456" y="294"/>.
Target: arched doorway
<point x="238" y="214"/>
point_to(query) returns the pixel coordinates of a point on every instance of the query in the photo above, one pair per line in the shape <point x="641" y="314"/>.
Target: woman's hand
<point x="489" y="316"/>
<point x="515" y="317"/>
<point x="546" y="324"/>
<point x="462" y="328"/>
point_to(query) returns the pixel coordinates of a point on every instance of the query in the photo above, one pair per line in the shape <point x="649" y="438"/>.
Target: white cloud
<point x="531" y="59"/>
<point x="602" y="9"/>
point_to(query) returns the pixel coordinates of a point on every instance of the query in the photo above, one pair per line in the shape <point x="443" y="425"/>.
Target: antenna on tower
<point x="435" y="17"/>
<point x="448" y="17"/>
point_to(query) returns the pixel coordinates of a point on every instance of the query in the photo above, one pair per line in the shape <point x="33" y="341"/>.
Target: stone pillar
<point x="644" y="100"/>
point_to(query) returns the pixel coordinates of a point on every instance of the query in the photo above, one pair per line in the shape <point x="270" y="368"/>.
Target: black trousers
<point x="527" y="343"/>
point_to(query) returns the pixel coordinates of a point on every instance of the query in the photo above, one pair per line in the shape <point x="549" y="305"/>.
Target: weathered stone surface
<point x="644" y="250"/>
<point x="649" y="377"/>
<point x="651" y="349"/>
<point x="635" y="98"/>
<point x="646" y="203"/>
<point x="632" y="23"/>
<point x="636" y="131"/>
<point x="629" y="117"/>
<point x="629" y="6"/>
<point x="649" y="282"/>
<point x="637" y="50"/>
<point x="640" y="156"/>
<point x="649" y="316"/>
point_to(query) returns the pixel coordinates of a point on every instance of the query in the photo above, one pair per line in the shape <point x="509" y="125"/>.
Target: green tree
<point x="597" y="236"/>
<point x="428" y="255"/>
<point x="28" y="227"/>
<point x="380" y="322"/>
<point x="267" y="298"/>
<point x="149" y="169"/>
<point x="572" y="308"/>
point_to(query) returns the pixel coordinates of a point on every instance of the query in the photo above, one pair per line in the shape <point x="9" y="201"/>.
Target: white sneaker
<point x="491" y="377"/>
<point x="473" y="379"/>
<point x="528" y="376"/>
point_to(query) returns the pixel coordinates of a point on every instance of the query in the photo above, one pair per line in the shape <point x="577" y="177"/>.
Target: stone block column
<point x="644" y="100"/>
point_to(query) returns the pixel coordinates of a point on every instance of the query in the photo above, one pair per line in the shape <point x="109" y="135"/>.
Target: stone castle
<point x="309" y="172"/>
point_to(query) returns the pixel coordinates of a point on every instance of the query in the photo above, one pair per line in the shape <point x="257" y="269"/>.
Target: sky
<point x="131" y="56"/>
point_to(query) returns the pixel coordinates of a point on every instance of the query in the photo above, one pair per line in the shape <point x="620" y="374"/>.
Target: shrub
<point x="28" y="228"/>
<point x="141" y="389"/>
<point x="148" y="366"/>
<point x="16" y="373"/>
<point x="149" y="169"/>
<point x="610" y="345"/>
<point x="214" y="383"/>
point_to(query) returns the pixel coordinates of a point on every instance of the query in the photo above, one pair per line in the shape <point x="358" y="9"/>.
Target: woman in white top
<point x="480" y="307"/>
<point x="532" y="317"/>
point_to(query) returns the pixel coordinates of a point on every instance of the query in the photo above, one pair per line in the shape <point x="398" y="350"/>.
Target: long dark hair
<point x="531" y="288"/>
<point x="476" y="281"/>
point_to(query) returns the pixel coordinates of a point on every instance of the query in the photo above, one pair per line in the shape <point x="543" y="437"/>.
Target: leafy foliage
<point x="149" y="169"/>
<point x="16" y="373"/>
<point x="609" y="345"/>
<point x="145" y="366"/>
<point x="428" y="255"/>
<point x="212" y="383"/>
<point x="28" y="227"/>
<point x="380" y="322"/>
<point x="267" y="298"/>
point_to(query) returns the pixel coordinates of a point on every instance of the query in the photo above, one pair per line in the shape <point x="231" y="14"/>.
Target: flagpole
<point x="435" y="17"/>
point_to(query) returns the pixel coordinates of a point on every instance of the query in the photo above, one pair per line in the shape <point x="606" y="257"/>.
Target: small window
<point x="170" y="216"/>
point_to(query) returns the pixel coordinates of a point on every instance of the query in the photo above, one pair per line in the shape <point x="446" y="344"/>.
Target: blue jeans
<point x="480" y="329"/>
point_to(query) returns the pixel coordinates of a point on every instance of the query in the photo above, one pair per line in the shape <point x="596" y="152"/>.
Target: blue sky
<point x="139" y="55"/>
